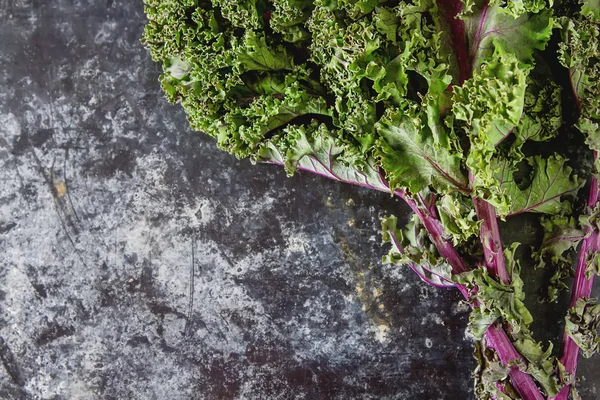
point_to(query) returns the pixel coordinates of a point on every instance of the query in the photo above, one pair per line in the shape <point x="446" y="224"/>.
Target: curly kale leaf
<point x="543" y="190"/>
<point x="580" y="53"/>
<point x="458" y="217"/>
<point x="493" y="97"/>
<point x="490" y="26"/>
<point x="489" y="375"/>
<point x="497" y="300"/>
<point x="414" y="156"/>
<point x="562" y="235"/>
<point x="411" y="246"/>
<point x="542" y="112"/>
<point x="541" y="363"/>
<point x="317" y="149"/>
<point x="582" y="323"/>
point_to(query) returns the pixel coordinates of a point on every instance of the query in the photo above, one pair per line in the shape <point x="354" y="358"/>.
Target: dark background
<point x="137" y="261"/>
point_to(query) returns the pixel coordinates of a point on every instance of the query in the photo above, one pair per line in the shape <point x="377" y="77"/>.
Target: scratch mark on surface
<point x="66" y="184"/>
<point x="48" y="178"/>
<point x="10" y="363"/>
<point x="191" y="293"/>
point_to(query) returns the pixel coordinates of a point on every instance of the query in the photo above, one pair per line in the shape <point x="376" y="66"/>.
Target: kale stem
<point x="436" y="231"/>
<point x="490" y="240"/>
<point x="496" y="337"/>
<point x="498" y="340"/>
<point x="450" y="10"/>
<point x="582" y="287"/>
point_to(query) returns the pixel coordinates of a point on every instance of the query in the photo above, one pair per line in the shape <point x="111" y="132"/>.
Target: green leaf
<point x="458" y="217"/>
<point x="592" y="265"/>
<point x="579" y="52"/>
<point x="582" y="323"/>
<point x="413" y="156"/>
<point x="288" y="18"/>
<point x="316" y="149"/>
<point x="387" y="21"/>
<point x="480" y="321"/>
<point x="355" y="9"/>
<point x="496" y="92"/>
<point x="412" y="246"/>
<point x="254" y="54"/>
<point x="242" y="130"/>
<point x="490" y="104"/>
<point x="541" y="363"/>
<point x="515" y="8"/>
<point x="357" y="115"/>
<point x="591" y="219"/>
<point x="490" y="27"/>
<point x="558" y="250"/>
<point x="542" y="112"/>
<point x="497" y="300"/>
<point x="241" y="13"/>
<point x="342" y="47"/>
<point x="591" y="9"/>
<point x="549" y="180"/>
<point x="489" y="374"/>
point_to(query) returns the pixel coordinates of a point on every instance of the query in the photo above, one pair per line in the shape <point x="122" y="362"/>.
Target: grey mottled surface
<point x="137" y="261"/>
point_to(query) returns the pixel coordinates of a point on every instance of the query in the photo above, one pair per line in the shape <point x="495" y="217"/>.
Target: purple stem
<point x="524" y="384"/>
<point x="495" y="336"/>
<point x="582" y="287"/>
<point x="498" y="340"/>
<point x="450" y="9"/>
<point x="436" y="232"/>
<point x="490" y="239"/>
<point x="425" y="279"/>
<point x="416" y="270"/>
<point x="331" y="175"/>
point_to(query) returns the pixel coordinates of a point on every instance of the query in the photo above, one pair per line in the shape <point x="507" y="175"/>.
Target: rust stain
<point x="368" y="289"/>
<point x="60" y="187"/>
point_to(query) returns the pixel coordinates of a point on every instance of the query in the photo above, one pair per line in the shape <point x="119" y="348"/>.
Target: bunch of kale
<point x="460" y="108"/>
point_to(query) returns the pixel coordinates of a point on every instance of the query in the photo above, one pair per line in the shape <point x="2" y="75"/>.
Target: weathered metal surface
<point x="137" y="261"/>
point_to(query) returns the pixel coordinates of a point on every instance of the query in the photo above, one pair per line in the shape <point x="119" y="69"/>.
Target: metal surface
<point x="137" y="261"/>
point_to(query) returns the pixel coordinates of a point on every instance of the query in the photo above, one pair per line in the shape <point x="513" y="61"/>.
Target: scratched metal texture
<point x="137" y="261"/>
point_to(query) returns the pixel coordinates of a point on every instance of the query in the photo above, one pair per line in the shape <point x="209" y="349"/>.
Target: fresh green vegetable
<point x="467" y="110"/>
